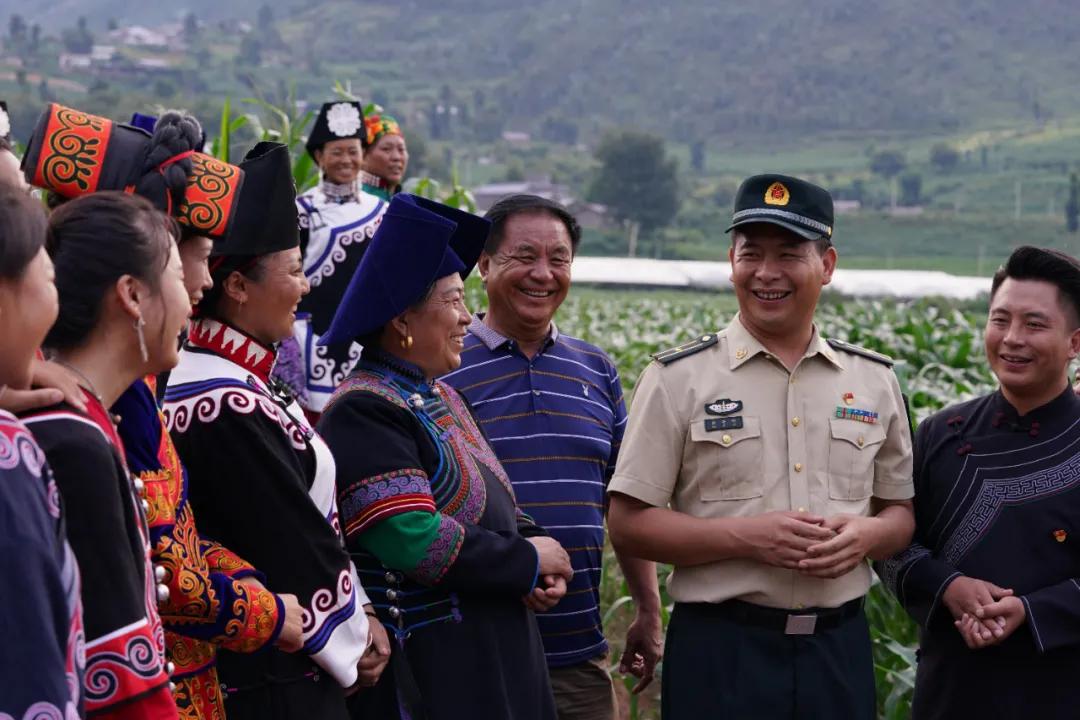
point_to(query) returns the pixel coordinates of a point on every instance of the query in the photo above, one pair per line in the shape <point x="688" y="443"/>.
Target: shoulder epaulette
<point x="688" y="348"/>
<point x="856" y="350"/>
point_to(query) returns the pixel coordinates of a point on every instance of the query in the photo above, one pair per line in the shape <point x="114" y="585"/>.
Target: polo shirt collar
<point x="742" y="346"/>
<point x="494" y="340"/>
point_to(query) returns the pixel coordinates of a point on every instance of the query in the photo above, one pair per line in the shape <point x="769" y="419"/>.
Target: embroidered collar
<point x="232" y="344"/>
<point x="493" y="339"/>
<point x="340" y="193"/>
<point x="375" y="180"/>
<point x="411" y="375"/>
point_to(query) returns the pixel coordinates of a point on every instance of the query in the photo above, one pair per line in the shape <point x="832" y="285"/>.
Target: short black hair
<point x="1052" y="266"/>
<point x="93" y="241"/>
<point x="22" y="230"/>
<point x="512" y="205"/>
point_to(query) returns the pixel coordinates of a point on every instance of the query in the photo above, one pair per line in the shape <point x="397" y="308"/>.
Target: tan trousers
<point x="584" y="691"/>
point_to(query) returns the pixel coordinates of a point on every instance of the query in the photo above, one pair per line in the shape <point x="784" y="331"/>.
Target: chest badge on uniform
<point x="723" y="423"/>
<point x="1060" y="535"/>
<point x="849" y="413"/>
<point x="849" y="397"/>
<point x="723" y="407"/>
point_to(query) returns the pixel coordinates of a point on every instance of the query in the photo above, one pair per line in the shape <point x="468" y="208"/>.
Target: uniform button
<point x="861" y="441"/>
<point x="799" y="606"/>
<point x="791" y="380"/>
<point x="140" y="486"/>
<point x="159" y="573"/>
<point x="172" y="686"/>
<point x="740" y="353"/>
<point x="415" y="401"/>
<point x="394" y="613"/>
<point x="798" y="467"/>
<point x="390" y="578"/>
<point x="391" y="595"/>
<point x="536" y="393"/>
<point x="794" y="422"/>
<point x="162" y="593"/>
<point x="802" y="509"/>
<point x="726" y="439"/>
<point x="145" y="506"/>
<point x="170" y="667"/>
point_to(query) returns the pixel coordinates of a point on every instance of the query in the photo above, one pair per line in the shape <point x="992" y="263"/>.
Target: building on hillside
<point x="488" y="195"/>
<point x="846" y="207"/>
<point x="516" y="138"/>
<point x="589" y="215"/>
<point x="139" y="36"/>
<point x="592" y="216"/>
<point x="75" y="61"/>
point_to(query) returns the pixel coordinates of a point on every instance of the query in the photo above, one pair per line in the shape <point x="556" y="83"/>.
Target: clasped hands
<point x="983" y="613"/>
<point x="814" y="545"/>
<point x="555" y="572"/>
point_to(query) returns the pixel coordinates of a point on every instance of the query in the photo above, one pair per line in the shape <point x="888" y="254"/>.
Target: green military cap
<point x="796" y="205"/>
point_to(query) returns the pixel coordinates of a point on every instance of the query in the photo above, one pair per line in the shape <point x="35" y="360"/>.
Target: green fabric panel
<point x="401" y="542"/>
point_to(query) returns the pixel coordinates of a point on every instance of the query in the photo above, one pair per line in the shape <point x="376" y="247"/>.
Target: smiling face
<point x="195" y="257"/>
<point x="388" y="158"/>
<point x="778" y="278"/>
<point x="1030" y="340"/>
<point x="340" y="160"/>
<point x="272" y="297"/>
<point x="437" y="328"/>
<point x="166" y="313"/>
<point x="528" y="276"/>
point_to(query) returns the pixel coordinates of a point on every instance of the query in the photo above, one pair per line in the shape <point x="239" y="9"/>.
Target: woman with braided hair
<point x="207" y="597"/>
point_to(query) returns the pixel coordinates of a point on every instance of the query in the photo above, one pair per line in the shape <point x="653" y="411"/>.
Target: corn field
<point x="938" y="349"/>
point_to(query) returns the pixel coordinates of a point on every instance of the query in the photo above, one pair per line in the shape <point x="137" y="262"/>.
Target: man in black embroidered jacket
<point x="991" y="574"/>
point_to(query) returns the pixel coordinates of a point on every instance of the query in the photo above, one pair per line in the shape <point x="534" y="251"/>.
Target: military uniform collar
<point x="742" y="346"/>
<point x="493" y="339"/>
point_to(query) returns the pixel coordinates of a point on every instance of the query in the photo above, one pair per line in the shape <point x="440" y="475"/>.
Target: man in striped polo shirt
<point x="553" y="409"/>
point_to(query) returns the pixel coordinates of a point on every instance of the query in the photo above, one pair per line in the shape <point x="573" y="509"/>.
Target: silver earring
<point x="139" y="323"/>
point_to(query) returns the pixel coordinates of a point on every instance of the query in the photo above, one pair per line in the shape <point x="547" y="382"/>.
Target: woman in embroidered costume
<point x="206" y="594"/>
<point x="261" y="480"/>
<point x="42" y="622"/>
<point x="213" y="597"/>
<point x="452" y="564"/>
<point x="337" y="219"/>
<point x="386" y="156"/>
<point x="122" y="305"/>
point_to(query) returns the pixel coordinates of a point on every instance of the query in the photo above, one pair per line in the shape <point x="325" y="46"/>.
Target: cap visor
<point x="805" y="233"/>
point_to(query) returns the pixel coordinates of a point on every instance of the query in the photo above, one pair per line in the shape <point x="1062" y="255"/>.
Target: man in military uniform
<point x="767" y="464"/>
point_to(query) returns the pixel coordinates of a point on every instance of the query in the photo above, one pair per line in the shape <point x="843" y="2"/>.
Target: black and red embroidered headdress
<point x="73" y="153"/>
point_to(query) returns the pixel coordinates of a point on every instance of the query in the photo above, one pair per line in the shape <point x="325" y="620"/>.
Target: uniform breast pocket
<point x="852" y="448"/>
<point x="735" y="458"/>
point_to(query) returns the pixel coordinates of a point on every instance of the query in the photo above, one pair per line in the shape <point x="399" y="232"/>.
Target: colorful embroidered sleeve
<point x="388" y="509"/>
<point x="222" y="560"/>
<point x="41" y="622"/>
<point x="125" y="674"/>
<point x="203" y="603"/>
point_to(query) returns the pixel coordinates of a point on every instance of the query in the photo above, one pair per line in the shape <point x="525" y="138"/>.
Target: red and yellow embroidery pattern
<point x="211" y="194"/>
<point x="72" y="151"/>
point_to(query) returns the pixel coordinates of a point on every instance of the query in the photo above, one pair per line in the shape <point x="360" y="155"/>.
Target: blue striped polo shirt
<point x="555" y="422"/>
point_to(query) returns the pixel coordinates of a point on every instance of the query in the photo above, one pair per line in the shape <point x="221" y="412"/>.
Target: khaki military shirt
<point x="729" y="432"/>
